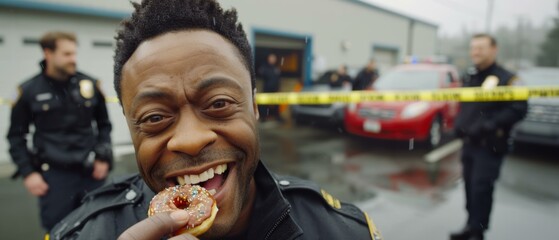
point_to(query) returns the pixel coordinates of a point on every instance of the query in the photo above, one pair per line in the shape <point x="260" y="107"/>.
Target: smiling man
<point x="485" y="129"/>
<point x="71" y="152"/>
<point x="184" y="75"/>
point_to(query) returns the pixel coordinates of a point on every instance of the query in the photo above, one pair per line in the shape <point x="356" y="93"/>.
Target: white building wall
<point x="327" y="22"/>
<point x="424" y="40"/>
<point x="359" y="25"/>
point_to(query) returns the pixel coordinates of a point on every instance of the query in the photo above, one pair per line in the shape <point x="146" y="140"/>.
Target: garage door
<point x="386" y="58"/>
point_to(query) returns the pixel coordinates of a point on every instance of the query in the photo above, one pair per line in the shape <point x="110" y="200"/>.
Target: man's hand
<point x="100" y="169"/>
<point x="35" y="184"/>
<point x="158" y="226"/>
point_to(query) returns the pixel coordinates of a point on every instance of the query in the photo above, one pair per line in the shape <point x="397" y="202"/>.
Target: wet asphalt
<point x="406" y="197"/>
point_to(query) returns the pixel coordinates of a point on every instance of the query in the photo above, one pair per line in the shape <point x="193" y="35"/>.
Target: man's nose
<point x="72" y="57"/>
<point x="190" y="136"/>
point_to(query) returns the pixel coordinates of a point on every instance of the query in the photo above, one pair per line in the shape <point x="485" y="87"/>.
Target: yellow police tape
<point x="455" y="94"/>
<point x="5" y="101"/>
<point x="476" y="94"/>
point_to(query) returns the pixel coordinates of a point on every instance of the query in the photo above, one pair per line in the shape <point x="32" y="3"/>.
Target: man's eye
<point x="153" y="119"/>
<point x="219" y="104"/>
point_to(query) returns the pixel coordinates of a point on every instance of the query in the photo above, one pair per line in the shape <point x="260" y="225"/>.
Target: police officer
<point x="484" y="128"/>
<point x="340" y="78"/>
<point x="71" y="151"/>
<point x="187" y="92"/>
<point x="285" y="207"/>
<point x="366" y="77"/>
<point x="270" y="74"/>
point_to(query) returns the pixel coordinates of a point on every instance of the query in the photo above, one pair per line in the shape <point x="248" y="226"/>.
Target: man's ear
<point x="254" y="105"/>
<point x="48" y="54"/>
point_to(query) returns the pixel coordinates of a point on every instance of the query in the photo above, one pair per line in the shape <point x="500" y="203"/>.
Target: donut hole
<point x="181" y="202"/>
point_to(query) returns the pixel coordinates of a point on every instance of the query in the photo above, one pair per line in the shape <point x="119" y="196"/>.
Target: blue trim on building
<point x="64" y="8"/>
<point x="307" y="52"/>
<point x="379" y="8"/>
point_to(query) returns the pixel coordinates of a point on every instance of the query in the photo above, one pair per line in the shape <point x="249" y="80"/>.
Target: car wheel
<point x="435" y="133"/>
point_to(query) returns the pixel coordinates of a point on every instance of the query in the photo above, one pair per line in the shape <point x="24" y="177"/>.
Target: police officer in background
<point x="484" y="128"/>
<point x="366" y="77"/>
<point x="270" y="74"/>
<point x="340" y="78"/>
<point x="71" y="152"/>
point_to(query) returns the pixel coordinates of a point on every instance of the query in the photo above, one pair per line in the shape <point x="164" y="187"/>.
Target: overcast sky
<point x="453" y="15"/>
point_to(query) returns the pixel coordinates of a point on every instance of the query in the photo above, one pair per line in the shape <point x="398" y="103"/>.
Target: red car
<point x="422" y="121"/>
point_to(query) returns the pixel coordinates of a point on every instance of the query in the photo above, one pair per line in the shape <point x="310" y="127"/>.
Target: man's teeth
<point x="180" y="180"/>
<point x="202" y="177"/>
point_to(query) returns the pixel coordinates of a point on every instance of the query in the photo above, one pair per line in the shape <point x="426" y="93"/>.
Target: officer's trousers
<point x="481" y="168"/>
<point x="66" y="189"/>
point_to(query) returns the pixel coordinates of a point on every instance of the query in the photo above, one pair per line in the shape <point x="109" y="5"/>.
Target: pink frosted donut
<point x="195" y="200"/>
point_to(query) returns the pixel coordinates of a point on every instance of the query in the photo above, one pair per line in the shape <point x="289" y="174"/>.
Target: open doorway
<point x="293" y="53"/>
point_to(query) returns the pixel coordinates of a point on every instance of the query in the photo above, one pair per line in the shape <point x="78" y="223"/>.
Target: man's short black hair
<point x="152" y="18"/>
<point x="488" y="36"/>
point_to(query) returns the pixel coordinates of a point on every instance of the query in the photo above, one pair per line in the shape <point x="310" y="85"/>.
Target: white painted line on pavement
<point x="443" y="151"/>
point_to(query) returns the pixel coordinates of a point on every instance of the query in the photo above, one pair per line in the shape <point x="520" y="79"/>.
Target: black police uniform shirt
<point x="365" y="79"/>
<point x="488" y="124"/>
<point x="62" y="113"/>
<point x="285" y="208"/>
<point x="271" y="76"/>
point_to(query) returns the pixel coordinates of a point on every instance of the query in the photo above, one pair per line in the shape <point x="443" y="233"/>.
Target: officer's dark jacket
<point x="488" y="124"/>
<point x="63" y="113"/>
<point x="285" y="208"/>
<point x="365" y="79"/>
<point x="271" y="76"/>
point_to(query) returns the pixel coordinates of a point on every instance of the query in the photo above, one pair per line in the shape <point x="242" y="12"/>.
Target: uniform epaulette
<point x="288" y="183"/>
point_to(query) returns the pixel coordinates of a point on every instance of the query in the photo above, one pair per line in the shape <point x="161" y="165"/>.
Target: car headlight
<point x="414" y="109"/>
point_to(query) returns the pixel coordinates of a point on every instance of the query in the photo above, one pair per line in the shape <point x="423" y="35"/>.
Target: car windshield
<point x="408" y="80"/>
<point x="543" y="77"/>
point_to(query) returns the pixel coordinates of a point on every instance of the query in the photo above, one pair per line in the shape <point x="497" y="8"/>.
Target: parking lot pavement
<point x="515" y="216"/>
<point x="526" y="204"/>
<point x="407" y="197"/>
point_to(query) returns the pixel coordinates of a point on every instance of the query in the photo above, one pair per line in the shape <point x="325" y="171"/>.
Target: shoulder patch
<point x="490" y="82"/>
<point x="15" y="99"/>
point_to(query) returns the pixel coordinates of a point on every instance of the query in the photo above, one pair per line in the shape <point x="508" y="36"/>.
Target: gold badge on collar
<point x="86" y="88"/>
<point x="490" y="82"/>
